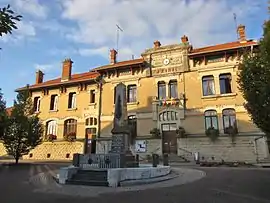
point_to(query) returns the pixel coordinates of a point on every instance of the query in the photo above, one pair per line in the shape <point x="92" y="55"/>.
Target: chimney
<point x="113" y="54"/>
<point x="157" y="44"/>
<point x="241" y="33"/>
<point x="66" y="69"/>
<point x="184" y="39"/>
<point x="39" y="77"/>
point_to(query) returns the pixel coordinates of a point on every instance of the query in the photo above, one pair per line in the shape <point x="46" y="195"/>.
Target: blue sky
<point x="85" y="30"/>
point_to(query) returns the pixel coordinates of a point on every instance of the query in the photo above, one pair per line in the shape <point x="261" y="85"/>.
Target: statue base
<point x="121" y="145"/>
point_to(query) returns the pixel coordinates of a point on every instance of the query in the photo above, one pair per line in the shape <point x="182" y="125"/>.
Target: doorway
<point x="169" y="139"/>
<point x="90" y="141"/>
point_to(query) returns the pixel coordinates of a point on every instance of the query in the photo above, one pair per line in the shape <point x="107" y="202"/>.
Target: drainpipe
<point x="99" y="82"/>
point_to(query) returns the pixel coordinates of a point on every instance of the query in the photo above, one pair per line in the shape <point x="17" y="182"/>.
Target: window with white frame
<point x="208" y="85"/>
<point x="72" y="100"/>
<point x="70" y="126"/>
<point x="54" y="102"/>
<point x="211" y="119"/>
<point x="36" y="104"/>
<point x="51" y="127"/>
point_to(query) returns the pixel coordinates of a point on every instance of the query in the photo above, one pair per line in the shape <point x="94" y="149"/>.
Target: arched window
<point x="168" y="116"/>
<point x="229" y="118"/>
<point x="51" y="127"/>
<point x="211" y="119"/>
<point x="70" y="126"/>
<point x="91" y="121"/>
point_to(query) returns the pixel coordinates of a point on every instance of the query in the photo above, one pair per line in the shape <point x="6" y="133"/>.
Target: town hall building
<point x="180" y="100"/>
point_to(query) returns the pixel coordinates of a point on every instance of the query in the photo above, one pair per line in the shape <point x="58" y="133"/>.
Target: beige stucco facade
<point x="162" y="64"/>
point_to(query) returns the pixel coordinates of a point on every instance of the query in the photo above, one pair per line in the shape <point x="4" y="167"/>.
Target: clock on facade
<point x="166" y="61"/>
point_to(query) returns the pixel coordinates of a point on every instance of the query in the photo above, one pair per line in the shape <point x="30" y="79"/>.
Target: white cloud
<point x="31" y="7"/>
<point x="25" y="29"/>
<point x="143" y="21"/>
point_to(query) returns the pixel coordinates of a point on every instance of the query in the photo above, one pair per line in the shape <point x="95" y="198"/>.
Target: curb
<point x="149" y="181"/>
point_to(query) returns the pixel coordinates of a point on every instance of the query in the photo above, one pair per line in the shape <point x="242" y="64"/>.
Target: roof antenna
<point x="235" y="22"/>
<point x="117" y="36"/>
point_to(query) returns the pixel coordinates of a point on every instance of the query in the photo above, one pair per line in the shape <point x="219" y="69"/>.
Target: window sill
<point x="219" y="95"/>
<point x="72" y="109"/>
<point x="51" y="111"/>
<point x="132" y="103"/>
<point x="92" y="104"/>
<point x="36" y="112"/>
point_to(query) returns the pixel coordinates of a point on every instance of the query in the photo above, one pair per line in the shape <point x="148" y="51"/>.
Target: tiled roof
<point x="121" y="64"/>
<point x="81" y="77"/>
<point x="221" y="47"/>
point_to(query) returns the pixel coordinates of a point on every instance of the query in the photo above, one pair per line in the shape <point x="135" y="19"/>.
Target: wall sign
<point x="140" y="145"/>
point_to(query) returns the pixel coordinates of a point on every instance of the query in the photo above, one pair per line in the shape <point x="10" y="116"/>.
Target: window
<point x="72" y="100"/>
<point x="168" y="116"/>
<point x="37" y="104"/>
<point x="173" y="89"/>
<point x="51" y="127"/>
<point x="211" y="119"/>
<point x="132" y="93"/>
<point x="70" y="126"/>
<point x="132" y="122"/>
<point x="161" y="90"/>
<point x="225" y="83"/>
<point x="229" y="118"/>
<point x="54" y="101"/>
<point x="208" y="85"/>
<point x="91" y="121"/>
<point x="92" y="96"/>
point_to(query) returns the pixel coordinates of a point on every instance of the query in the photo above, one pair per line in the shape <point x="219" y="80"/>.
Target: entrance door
<point x="169" y="139"/>
<point x="90" y="141"/>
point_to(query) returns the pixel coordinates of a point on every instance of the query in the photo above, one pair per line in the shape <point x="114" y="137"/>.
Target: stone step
<point x="178" y="159"/>
<point x="88" y="182"/>
<point x="89" y="177"/>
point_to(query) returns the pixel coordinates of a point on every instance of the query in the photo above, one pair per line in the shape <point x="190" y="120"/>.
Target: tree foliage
<point x="8" y="20"/>
<point x="254" y="82"/>
<point x="24" y="131"/>
<point x="3" y="115"/>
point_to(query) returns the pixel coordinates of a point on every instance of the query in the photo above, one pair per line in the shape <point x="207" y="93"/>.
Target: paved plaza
<point x="32" y="183"/>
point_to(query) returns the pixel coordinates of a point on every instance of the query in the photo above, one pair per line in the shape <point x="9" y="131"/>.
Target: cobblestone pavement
<point x="18" y="184"/>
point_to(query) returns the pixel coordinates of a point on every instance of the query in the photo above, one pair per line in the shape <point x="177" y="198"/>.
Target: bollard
<point x="155" y="160"/>
<point x="165" y="159"/>
<point x="137" y="158"/>
<point x="76" y="160"/>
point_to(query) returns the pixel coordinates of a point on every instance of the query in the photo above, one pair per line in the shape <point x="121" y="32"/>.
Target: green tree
<point x="3" y="115"/>
<point x="8" y="20"/>
<point x="254" y="82"/>
<point x="24" y="130"/>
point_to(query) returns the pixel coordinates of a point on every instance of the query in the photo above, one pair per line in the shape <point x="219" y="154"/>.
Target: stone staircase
<point x="89" y="177"/>
<point x="174" y="158"/>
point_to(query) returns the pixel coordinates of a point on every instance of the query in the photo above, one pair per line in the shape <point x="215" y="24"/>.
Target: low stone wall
<point x="55" y="151"/>
<point x="2" y="150"/>
<point x="245" y="148"/>
<point x="116" y="175"/>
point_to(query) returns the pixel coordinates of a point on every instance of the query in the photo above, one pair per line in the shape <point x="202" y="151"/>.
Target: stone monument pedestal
<point x="120" y="145"/>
